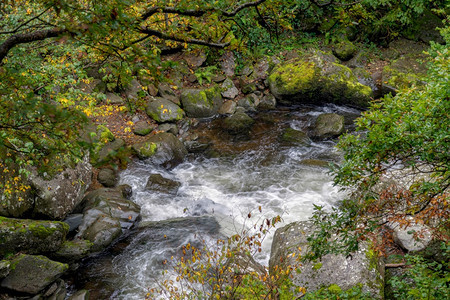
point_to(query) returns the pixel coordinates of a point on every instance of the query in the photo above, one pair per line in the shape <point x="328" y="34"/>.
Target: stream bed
<point x="218" y="190"/>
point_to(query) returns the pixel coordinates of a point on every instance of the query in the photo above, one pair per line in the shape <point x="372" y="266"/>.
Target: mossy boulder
<point x="201" y="103"/>
<point x="143" y="128"/>
<point x="162" y="149"/>
<point x="405" y="72"/>
<point x="328" y="125"/>
<point x="295" y="137"/>
<point x="238" y="123"/>
<point x="344" y="50"/>
<point x="316" y="79"/>
<point x="72" y="251"/>
<point x="362" y="267"/>
<point x="31" y="236"/>
<point x="162" y="110"/>
<point x="31" y="274"/>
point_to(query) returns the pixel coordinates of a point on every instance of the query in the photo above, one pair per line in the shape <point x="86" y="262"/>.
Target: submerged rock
<point x="317" y="79"/>
<point x="163" y="149"/>
<point x="362" y="267"/>
<point x="201" y="103"/>
<point x="31" y="274"/>
<point x="31" y="236"/>
<point x="157" y="183"/>
<point x="328" y="125"/>
<point x="238" y="123"/>
<point x="296" y="137"/>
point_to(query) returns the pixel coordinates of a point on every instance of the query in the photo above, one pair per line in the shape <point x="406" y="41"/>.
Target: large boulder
<point x="317" y="79"/>
<point x="163" y="149"/>
<point x="328" y="125"/>
<point x="411" y="237"/>
<point x="362" y="267"/>
<point x="199" y="103"/>
<point x="31" y="236"/>
<point x="106" y="213"/>
<point x="31" y="274"/>
<point x="162" y="110"/>
<point x="57" y="197"/>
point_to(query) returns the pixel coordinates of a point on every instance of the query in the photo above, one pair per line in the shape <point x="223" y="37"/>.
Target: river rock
<point x="295" y="137"/>
<point x="362" y="267"/>
<point x="109" y="150"/>
<point x="344" y="50"/>
<point x="31" y="236"/>
<point x="229" y="89"/>
<point x="112" y="98"/>
<point x="80" y="295"/>
<point x="228" y="108"/>
<point x="157" y="183"/>
<point x="162" y="110"/>
<point x="57" y="197"/>
<point x="107" y="177"/>
<point x="166" y="92"/>
<point x="412" y="238"/>
<point x="169" y="127"/>
<point x="201" y="103"/>
<point x="267" y="102"/>
<point x="328" y="125"/>
<point x="228" y="64"/>
<point x="72" y="251"/>
<point x="249" y="103"/>
<point x="317" y="79"/>
<point x="238" y="123"/>
<point x="31" y="274"/>
<point x="162" y="149"/>
<point x="143" y="128"/>
<point x="106" y="212"/>
<point x="56" y="291"/>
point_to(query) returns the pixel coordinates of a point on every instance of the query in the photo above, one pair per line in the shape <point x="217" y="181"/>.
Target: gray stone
<point x="80" y="295"/>
<point x="199" y="103"/>
<point x="109" y="150"/>
<point x="157" y="183"/>
<point x="162" y="149"/>
<point x="31" y="236"/>
<point x="295" y="137"/>
<point x="74" y="250"/>
<point x="228" y="108"/>
<point x="229" y="89"/>
<point x="73" y="220"/>
<point x="5" y="266"/>
<point x="166" y="92"/>
<point x="58" y="293"/>
<point x="113" y="99"/>
<point x="107" y="177"/>
<point x="143" y="128"/>
<point x="135" y="90"/>
<point x="228" y="64"/>
<point x="362" y="267"/>
<point x="57" y="197"/>
<point x="267" y="102"/>
<point x="412" y="238"/>
<point x="328" y="125"/>
<point x="31" y="274"/>
<point x="195" y="60"/>
<point x="247" y="103"/>
<point x="152" y="90"/>
<point x="168" y="127"/>
<point x="238" y="123"/>
<point x="163" y="110"/>
<point x="195" y="146"/>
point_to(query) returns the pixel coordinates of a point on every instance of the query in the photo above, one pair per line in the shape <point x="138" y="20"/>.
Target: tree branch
<point x="30" y="37"/>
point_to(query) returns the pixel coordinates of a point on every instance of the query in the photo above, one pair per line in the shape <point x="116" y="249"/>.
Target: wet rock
<point x="328" y="125"/>
<point x="229" y="89"/>
<point x="56" y="291"/>
<point x="248" y="103"/>
<point x="31" y="274"/>
<point x="196" y="146"/>
<point x="143" y="128"/>
<point x="162" y="149"/>
<point x="31" y="236"/>
<point x="127" y="191"/>
<point x="228" y="108"/>
<point x="57" y="197"/>
<point x="199" y="103"/>
<point x="105" y="213"/>
<point x="169" y="127"/>
<point x="228" y="64"/>
<point x="5" y="267"/>
<point x="72" y="251"/>
<point x="80" y="295"/>
<point x="163" y="110"/>
<point x="362" y="267"/>
<point x="113" y="99"/>
<point x="157" y="183"/>
<point x="296" y="137"/>
<point x="107" y="177"/>
<point x="267" y="102"/>
<point x="344" y="50"/>
<point x="238" y="123"/>
<point x="317" y="79"/>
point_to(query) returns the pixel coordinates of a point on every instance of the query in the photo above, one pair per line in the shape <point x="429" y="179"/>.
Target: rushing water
<point x="217" y="192"/>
